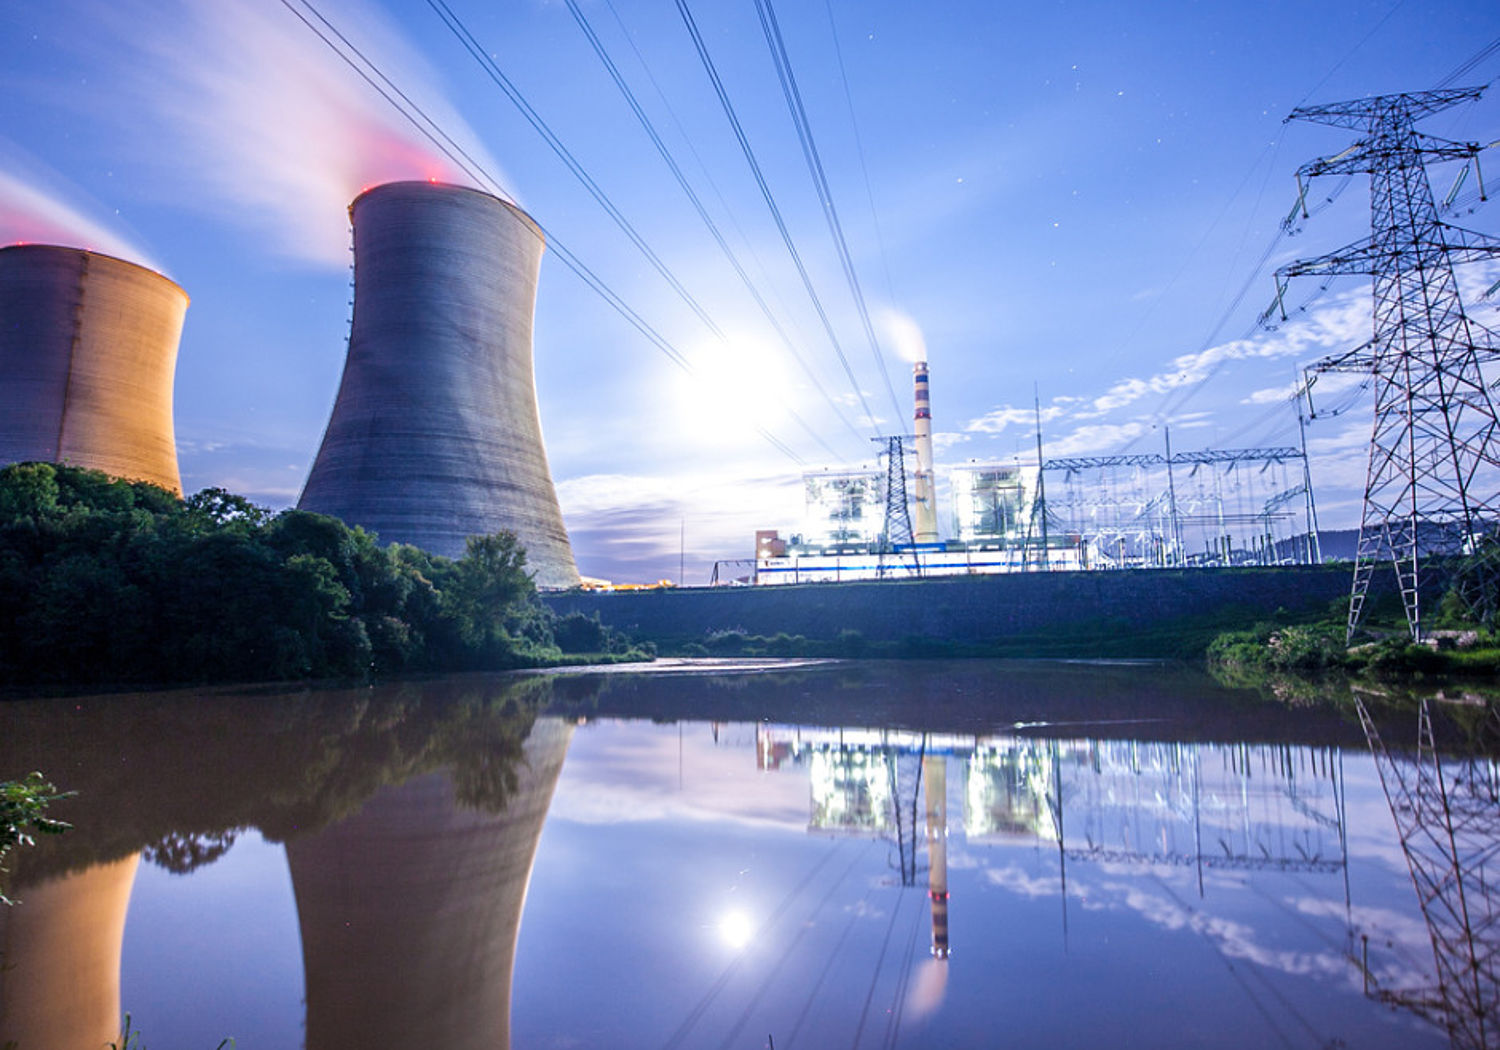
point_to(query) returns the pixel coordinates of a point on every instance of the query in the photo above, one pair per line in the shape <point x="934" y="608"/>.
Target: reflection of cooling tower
<point x="88" y="349"/>
<point x="435" y="436"/>
<point x="60" y="959"/>
<point x="410" y="910"/>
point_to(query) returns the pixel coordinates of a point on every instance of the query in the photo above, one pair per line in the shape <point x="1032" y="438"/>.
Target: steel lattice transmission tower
<point x="1431" y="483"/>
<point x="898" y="531"/>
<point x="1447" y="814"/>
<point x="897" y="509"/>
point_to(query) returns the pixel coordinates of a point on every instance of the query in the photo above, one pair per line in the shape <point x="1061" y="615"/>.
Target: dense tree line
<point x="103" y="580"/>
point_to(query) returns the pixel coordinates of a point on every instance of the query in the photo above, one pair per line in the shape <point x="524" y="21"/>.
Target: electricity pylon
<point x="1447" y="813"/>
<point x="1431" y="485"/>
<point x="897" y="510"/>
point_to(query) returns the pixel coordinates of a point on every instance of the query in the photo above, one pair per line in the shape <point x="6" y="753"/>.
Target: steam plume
<point x="259" y="115"/>
<point x="31" y="215"/>
<point x="903" y="336"/>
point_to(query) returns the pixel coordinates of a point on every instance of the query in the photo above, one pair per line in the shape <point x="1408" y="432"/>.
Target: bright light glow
<point x="735" y="929"/>
<point x="734" y="388"/>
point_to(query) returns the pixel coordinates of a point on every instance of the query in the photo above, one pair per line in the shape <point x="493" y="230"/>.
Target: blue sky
<point x="1070" y="195"/>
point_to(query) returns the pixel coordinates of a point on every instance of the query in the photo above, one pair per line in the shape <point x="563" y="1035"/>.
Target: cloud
<point x="631" y="525"/>
<point x="630" y="772"/>
<point x="1096" y="437"/>
<point x="242" y="101"/>
<point x="1341" y="325"/>
<point x="997" y="420"/>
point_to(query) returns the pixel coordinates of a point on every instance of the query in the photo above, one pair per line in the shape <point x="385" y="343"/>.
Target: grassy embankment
<point x="1463" y="645"/>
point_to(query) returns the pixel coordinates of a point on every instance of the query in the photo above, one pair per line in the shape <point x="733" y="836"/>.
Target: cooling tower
<point x="434" y="435"/>
<point x="88" y="349"/>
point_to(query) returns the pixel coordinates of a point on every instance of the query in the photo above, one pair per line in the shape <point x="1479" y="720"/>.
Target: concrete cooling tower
<point x="434" y="435"/>
<point x="88" y="350"/>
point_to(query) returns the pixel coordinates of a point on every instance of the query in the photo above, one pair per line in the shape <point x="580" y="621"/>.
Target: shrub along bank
<point x="1463" y="643"/>
<point x="109" y="581"/>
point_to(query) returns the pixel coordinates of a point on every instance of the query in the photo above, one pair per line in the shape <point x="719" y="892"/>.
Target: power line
<point x="493" y="71"/>
<point x="765" y="191"/>
<point x="859" y="149"/>
<point x="445" y="144"/>
<point x="793" y="97"/>
<point x="497" y="75"/>
<point x="713" y="228"/>
<point x="428" y="127"/>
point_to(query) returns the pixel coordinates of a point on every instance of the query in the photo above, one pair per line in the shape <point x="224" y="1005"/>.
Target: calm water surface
<point x="919" y="854"/>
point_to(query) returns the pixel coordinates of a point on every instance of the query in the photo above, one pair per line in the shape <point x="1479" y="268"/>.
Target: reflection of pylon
<point x="1431" y="486"/>
<point x="905" y="773"/>
<point x="1447" y="815"/>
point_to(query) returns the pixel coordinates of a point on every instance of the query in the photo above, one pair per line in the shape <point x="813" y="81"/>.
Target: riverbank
<point x="1320" y="648"/>
<point x="1149" y="613"/>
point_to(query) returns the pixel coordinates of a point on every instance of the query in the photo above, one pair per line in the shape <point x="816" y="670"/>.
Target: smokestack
<point x="924" y="493"/>
<point x="435" y="435"/>
<point x="88" y="351"/>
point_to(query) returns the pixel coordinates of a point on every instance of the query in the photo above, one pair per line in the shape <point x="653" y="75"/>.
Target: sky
<point x="1075" y="202"/>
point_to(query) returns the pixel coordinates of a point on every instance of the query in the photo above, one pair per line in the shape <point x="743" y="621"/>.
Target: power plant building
<point x="435" y="434"/>
<point x="88" y="354"/>
<point x="843" y="508"/>
<point x="990" y="502"/>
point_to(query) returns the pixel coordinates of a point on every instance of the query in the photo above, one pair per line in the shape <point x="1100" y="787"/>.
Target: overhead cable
<point x="368" y="71"/>
<point x="708" y="221"/>
<point x="793" y="97"/>
<point x="765" y="191"/>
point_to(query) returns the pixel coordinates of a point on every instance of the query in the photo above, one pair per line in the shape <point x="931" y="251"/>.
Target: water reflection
<point x="1101" y="849"/>
<point x="1447" y="813"/>
<point x="409" y="910"/>
<point x="411" y="814"/>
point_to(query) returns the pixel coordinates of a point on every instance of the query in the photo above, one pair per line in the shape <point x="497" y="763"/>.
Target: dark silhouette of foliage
<point x="109" y="580"/>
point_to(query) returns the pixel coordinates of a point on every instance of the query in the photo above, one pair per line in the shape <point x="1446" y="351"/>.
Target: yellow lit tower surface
<point x="60" y="949"/>
<point x="88" y="355"/>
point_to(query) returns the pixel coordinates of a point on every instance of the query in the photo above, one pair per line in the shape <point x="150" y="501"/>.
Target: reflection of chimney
<point x="935" y="786"/>
<point x="924" y="495"/>
<point x="410" y="910"/>
<point x="60" y="959"/>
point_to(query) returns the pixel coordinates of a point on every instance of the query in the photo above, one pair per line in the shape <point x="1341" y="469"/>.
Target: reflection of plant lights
<point x="735" y="929"/>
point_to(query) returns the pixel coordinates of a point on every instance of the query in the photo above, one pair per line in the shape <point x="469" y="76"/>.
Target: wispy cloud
<point x="244" y="103"/>
<point x="998" y="419"/>
<point x="1095" y="437"/>
<point x="1342" y="324"/>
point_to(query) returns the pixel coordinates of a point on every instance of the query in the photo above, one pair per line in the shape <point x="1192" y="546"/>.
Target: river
<point x="862" y="855"/>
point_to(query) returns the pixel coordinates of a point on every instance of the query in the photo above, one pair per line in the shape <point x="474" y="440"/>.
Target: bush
<point x="108" y="580"/>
